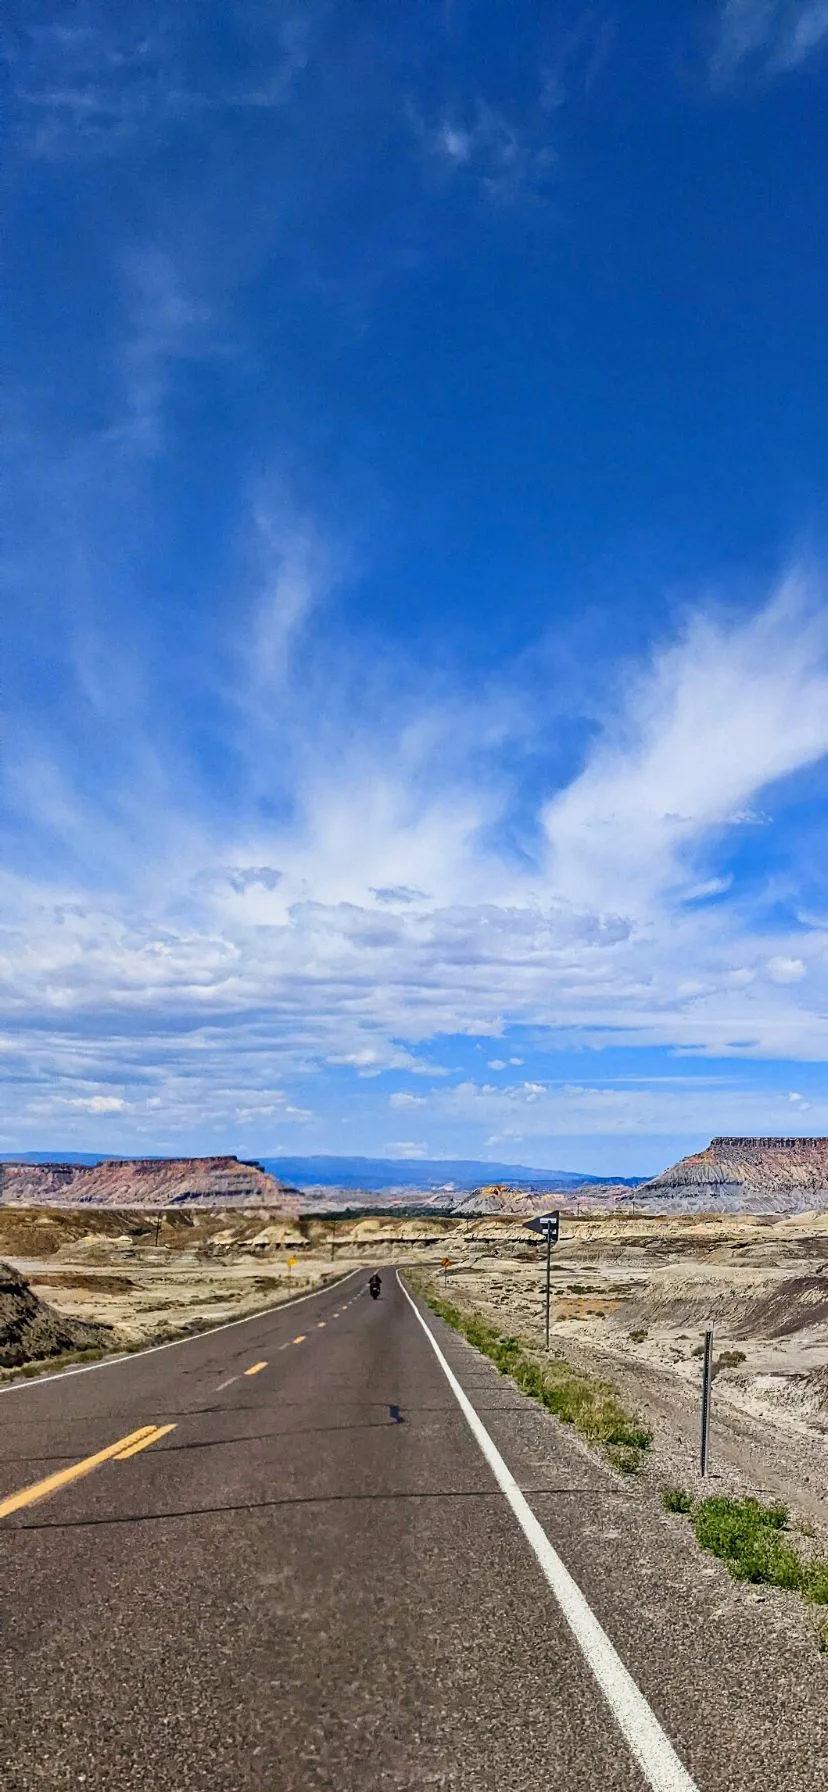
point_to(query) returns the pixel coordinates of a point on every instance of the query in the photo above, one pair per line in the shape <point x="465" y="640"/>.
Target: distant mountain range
<point x="770" y="1175"/>
<point x="366" y="1175"/>
<point x="431" y="1175"/>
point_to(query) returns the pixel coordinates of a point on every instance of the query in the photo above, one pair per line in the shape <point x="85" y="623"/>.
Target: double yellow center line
<point x="117" y="1452"/>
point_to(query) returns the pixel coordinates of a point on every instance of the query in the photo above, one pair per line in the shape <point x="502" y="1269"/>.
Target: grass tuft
<point x="624" y="1457"/>
<point x="674" y="1499"/>
<point x="754" y="1542"/>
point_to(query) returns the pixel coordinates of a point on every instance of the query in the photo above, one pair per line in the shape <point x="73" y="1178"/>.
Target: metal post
<point x="157" y="1227"/>
<point x="548" y="1279"/>
<point x="707" y="1384"/>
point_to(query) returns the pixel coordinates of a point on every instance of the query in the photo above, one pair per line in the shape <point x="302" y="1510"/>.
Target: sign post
<point x="446" y="1266"/>
<point x="707" y="1384"/>
<point x="549" y="1227"/>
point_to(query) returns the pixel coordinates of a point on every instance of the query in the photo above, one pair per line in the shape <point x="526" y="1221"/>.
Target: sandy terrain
<point x="108" y="1268"/>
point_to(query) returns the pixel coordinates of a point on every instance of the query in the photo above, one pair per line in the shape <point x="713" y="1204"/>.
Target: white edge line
<point x="131" y="1356"/>
<point x="639" y="1725"/>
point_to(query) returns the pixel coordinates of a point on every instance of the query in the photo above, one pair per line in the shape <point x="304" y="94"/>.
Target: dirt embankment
<point x="30" y="1330"/>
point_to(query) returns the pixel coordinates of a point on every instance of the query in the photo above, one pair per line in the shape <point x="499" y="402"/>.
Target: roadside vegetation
<point x="756" y="1544"/>
<point x="592" y="1407"/>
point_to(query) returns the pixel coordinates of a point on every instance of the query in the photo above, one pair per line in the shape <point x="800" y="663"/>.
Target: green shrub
<point x="751" y="1539"/>
<point x="674" y="1499"/>
<point x="815" y="1582"/>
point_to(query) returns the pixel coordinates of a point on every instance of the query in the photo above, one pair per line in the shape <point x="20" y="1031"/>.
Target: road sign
<point x="291" y="1262"/>
<point x="549" y="1227"/>
<point x="547" y="1224"/>
<point x="445" y="1263"/>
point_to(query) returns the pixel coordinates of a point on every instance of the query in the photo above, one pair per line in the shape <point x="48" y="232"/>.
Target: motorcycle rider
<point x="375" y="1284"/>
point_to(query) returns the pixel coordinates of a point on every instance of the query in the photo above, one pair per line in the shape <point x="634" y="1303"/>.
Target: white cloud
<point x="93" y="1104"/>
<point x="165" y="323"/>
<point x="114" y="76"/>
<point x="453" y="142"/>
<point x="777" y="35"/>
<point x="203" y="955"/>
<point x="514" y="1117"/>
<point x="717" y="717"/>
<point x="507" y="160"/>
<point x="297" y="571"/>
<point x="785" y="970"/>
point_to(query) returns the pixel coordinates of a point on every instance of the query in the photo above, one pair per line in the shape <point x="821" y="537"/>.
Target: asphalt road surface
<point x="277" y="1558"/>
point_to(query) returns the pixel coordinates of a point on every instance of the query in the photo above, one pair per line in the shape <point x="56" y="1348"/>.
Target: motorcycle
<point x="374" y="1287"/>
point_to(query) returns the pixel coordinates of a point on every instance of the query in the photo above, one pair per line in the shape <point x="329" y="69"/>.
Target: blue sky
<point x="414" y="644"/>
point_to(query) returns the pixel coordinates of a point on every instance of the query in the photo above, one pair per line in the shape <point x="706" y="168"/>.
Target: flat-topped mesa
<point x="147" y="1182"/>
<point x="729" y="1145"/>
<point x="779" y="1173"/>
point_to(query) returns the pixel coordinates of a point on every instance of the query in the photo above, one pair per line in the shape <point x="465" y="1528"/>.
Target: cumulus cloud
<point x="785" y="970"/>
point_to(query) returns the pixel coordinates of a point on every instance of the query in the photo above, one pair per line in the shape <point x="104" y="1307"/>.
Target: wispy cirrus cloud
<point x="189" y="950"/>
<point x="164" y="324"/>
<point x="774" y="35"/>
<point x="505" y="159"/>
<point x="717" y="716"/>
<point x="109" y="78"/>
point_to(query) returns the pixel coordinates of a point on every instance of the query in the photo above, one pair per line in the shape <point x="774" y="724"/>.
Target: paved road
<point x="313" y="1581"/>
